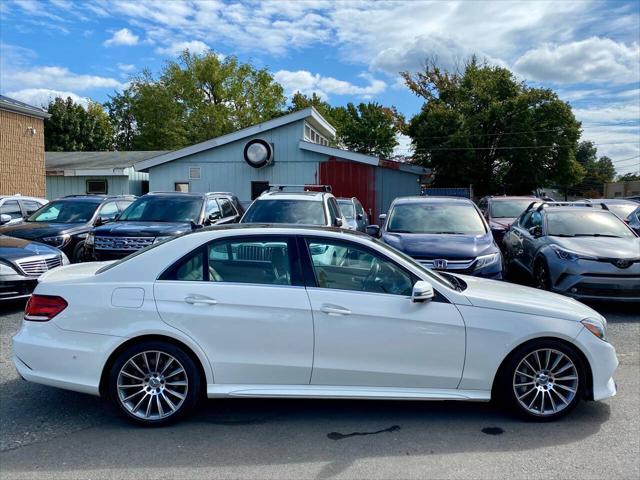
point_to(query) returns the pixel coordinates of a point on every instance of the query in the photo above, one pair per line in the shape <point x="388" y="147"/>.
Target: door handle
<point x="195" y="299"/>
<point x="334" y="310"/>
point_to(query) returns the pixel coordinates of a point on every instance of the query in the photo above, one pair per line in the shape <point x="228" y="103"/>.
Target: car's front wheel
<point x="154" y="383"/>
<point x="544" y="380"/>
<point x="541" y="275"/>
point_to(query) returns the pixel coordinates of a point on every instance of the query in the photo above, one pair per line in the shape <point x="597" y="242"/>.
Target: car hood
<point x="32" y="230"/>
<point x="499" y="295"/>
<point x="441" y="246"/>
<point x="12" y="248"/>
<point x="502" y="222"/>
<point x="142" y="229"/>
<point x="601" y="246"/>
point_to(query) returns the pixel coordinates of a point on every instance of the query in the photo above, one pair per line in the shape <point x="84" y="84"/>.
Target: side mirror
<point x="214" y="216"/>
<point x="100" y="221"/>
<point x="536" y="231"/>
<point x="373" y="230"/>
<point x="382" y="217"/>
<point x="422" y="292"/>
<point x="359" y="216"/>
<point x="337" y="222"/>
<point x="4" y="219"/>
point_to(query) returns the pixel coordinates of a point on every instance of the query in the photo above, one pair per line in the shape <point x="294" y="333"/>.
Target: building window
<point x="312" y="135"/>
<point x="97" y="187"/>
<point x="257" y="188"/>
<point x="182" y="186"/>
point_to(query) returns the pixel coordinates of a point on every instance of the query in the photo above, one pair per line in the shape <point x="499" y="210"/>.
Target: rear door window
<point x="227" y="208"/>
<point x="11" y="208"/>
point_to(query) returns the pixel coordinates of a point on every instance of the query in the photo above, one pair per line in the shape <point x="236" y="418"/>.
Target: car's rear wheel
<point x="154" y="383"/>
<point x="544" y="380"/>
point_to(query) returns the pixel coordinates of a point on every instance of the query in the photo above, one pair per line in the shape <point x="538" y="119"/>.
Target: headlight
<point x="160" y="239"/>
<point x="596" y="327"/>
<point x="7" y="270"/>
<point x="91" y="238"/>
<point x="57" y="241"/>
<point x="487" y="260"/>
<point x="564" y="254"/>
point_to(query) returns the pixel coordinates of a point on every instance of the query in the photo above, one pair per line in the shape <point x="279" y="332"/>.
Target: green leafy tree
<point x="629" y="177"/>
<point x="481" y="126"/>
<point x="195" y="98"/>
<point x="598" y="171"/>
<point x="71" y="127"/>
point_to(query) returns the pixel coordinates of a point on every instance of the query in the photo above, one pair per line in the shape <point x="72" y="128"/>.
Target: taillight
<point x="42" y="308"/>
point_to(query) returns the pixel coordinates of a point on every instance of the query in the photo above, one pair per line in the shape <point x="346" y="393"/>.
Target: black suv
<point x="158" y="215"/>
<point x="64" y="223"/>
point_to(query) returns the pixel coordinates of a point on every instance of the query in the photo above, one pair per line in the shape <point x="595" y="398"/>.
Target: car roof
<point x="95" y="198"/>
<point x="301" y="229"/>
<point x="514" y="197"/>
<point x="613" y="201"/>
<point x="428" y="199"/>
<point x="177" y="194"/>
<point x="317" y="196"/>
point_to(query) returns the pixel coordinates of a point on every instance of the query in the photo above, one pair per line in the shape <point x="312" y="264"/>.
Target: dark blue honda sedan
<point x="442" y="233"/>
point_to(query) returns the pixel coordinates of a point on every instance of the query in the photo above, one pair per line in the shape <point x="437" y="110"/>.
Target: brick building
<point x="21" y="148"/>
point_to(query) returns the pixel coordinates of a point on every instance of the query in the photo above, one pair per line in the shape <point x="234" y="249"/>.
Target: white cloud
<point x="176" y="48"/>
<point x="306" y="82"/>
<point x="126" y="67"/>
<point x="55" y="78"/>
<point x="594" y="60"/>
<point x="40" y="97"/>
<point x="123" y="36"/>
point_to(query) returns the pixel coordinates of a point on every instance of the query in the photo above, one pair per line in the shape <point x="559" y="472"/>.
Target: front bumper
<point x="592" y="280"/>
<point x="16" y="286"/>
<point x="44" y="353"/>
<point x="603" y="362"/>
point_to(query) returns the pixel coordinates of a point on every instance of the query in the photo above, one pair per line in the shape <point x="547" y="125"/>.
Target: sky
<point x="346" y="51"/>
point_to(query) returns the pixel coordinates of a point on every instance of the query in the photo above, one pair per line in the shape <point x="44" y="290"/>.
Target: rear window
<point x="347" y="209"/>
<point x="303" y="212"/>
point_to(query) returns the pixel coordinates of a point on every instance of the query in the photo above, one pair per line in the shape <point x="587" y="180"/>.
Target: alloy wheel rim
<point x="152" y="385"/>
<point x="545" y="382"/>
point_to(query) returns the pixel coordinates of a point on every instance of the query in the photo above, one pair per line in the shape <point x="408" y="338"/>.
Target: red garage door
<point x="351" y="179"/>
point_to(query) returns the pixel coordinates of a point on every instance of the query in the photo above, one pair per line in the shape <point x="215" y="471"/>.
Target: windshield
<point x="586" y="224"/>
<point x="623" y="210"/>
<point x="65" y="211"/>
<point x="304" y="212"/>
<point x="509" y="208"/>
<point x="436" y="218"/>
<point x="347" y="208"/>
<point x="163" y="208"/>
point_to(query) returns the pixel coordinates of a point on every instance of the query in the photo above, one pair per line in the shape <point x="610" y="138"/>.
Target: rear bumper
<point x="46" y="354"/>
<point x="16" y="286"/>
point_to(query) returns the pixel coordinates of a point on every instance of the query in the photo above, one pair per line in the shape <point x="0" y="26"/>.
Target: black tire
<point x="192" y="391"/>
<point x="78" y="253"/>
<point x="506" y="265"/>
<point x="541" y="275"/>
<point x="513" y="397"/>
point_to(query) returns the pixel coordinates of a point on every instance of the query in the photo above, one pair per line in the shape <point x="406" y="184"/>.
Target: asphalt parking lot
<point x="50" y="433"/>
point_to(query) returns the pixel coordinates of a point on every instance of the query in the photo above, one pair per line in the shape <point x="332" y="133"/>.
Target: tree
<point x="598" y="171"/>
<point x="629" y="177"/>
<point x="195" y="98"/>
<point x="367" y="128"/>
<point x="481" y="126"/>
<point x="72" y="128"/>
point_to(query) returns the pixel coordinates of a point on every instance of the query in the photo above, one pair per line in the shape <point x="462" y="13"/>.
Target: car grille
<point x="122" y="243"/>
<point x="606" y="290"/>
<point x="459" y="265"/>
<point x="36" y="266"/>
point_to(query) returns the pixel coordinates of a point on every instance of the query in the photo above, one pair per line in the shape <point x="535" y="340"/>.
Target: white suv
<point x="306" y="207"/>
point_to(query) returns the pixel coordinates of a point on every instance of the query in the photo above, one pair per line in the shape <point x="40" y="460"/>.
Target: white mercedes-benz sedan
<point x="263" y="311"/>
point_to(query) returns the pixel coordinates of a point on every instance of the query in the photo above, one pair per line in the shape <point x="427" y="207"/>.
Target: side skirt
<point x="327" y="391"/>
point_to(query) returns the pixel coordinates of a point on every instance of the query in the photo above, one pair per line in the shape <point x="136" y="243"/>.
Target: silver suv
<point x="580" y="250"/>
<point x="296" y="204"/>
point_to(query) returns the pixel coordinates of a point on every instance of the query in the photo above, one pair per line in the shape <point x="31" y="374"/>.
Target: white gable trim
<point x="307" y="113"/>
<point x="339" y="153"/>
